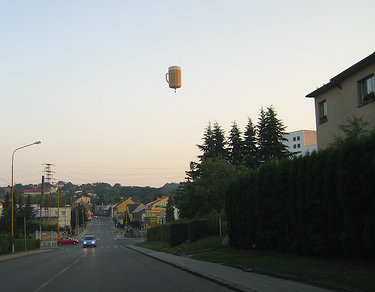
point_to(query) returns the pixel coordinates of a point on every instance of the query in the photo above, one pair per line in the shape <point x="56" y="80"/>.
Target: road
<point x="108" y="267"/>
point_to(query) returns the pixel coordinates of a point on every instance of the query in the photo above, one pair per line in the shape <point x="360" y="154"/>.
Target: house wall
<point x="305" y="144"/>
<point x="309" y="138"/>
<point x="341" y="105"/>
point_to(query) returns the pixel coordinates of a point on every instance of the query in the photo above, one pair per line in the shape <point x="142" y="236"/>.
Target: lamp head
<point x="37" y="142"/>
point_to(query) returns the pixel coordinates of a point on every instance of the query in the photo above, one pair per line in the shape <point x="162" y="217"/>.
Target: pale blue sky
<point x="87" y="78"/>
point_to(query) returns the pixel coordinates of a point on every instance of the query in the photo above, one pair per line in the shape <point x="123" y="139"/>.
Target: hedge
<point x="320" y="204"/>
<point x="4" y="245"/>
<point x="19" y="244"/>
<point x="198" y="229"/>
<point x="178" y="232"/>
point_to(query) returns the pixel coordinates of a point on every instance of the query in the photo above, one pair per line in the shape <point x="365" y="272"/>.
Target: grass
<point x="204" y="244"/>
<point x="350" y="274"/>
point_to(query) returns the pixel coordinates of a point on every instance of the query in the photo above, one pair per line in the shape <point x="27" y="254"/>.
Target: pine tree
<point x="20" y="209"/>
<point x="29" y="210"/>
<point x="249" y="146"/>
<point x="271" y="133"/>
<point x="169" y="212"/>
<point x="208" y="145"/>
<point x="219" y="142"/>
<point x="235" y="145"/>
<point x="262" y="137"/>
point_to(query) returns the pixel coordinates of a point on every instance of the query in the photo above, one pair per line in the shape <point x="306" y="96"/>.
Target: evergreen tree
<point x="271" y="133"/>
<point x="208" y="146"/>
<point x="219" y="142"/>
<point x="20" y="209"/>
<point x="262" y="137"/>
<point x="169" y="212"/>
<point x="235" y="145"/>
<point x="29" y="210"/>
<point x="5" y="220"/>
<point x="249" y="146"/>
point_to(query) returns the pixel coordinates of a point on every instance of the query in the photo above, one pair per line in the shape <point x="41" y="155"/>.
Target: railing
<point x="48" y="244"/>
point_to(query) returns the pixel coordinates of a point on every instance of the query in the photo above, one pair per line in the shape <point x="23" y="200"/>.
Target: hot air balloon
<point x="173" y="77"/>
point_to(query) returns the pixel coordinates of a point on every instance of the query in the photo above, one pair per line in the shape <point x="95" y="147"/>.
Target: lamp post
<point x="35" y="143"/>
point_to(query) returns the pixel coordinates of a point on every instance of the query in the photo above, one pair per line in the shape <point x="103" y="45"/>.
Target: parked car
<point x="89" y="241"/>
<point x="67" y="240"/>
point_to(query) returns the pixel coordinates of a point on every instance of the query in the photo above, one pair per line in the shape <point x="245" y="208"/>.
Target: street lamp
<point x="35" y="143"/>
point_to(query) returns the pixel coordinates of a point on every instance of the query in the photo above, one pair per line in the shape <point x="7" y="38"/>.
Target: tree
<point x="20" y="209"/>
<point x="169" y="212"/>
<point x="29" y="210"/>
<point x="235" y="150"/>
<point x="271" y="133"/>
<point x="206" y="194"/>
<point x="262" y="136"/>
<point x="5" y="220"/>
<point x="355" y="128"/>
<point x="249" y="146"/>
<point x="208" y="145"/>
<point x="219" y="142"/>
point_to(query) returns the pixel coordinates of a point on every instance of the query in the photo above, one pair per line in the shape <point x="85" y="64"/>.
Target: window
<point x="294" y="138"/>
<point x="322" y="108"/>
<point x="294" y="146"/>
<point x="366" y="90"/>
<point x="298" y="138"/>
<point x="299" y="145"/>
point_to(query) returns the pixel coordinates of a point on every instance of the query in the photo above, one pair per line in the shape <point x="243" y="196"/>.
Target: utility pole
<point x="42" y="198"/>
<point x="65" y="212"/>
<point x="77" y="221"/>
<point x="49" y="178"/>
<point x="58" y="212"/>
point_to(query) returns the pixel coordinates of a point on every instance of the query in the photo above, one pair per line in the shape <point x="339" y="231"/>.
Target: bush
<point x="5" y="246"/>
<point x="19" y="244"/>
<point x="320" y="204"/>
<point x="198" y="229"/>
<point x="179" y="232"/>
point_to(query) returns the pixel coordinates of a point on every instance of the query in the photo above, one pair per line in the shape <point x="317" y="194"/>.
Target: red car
<point x="67" y="240"/>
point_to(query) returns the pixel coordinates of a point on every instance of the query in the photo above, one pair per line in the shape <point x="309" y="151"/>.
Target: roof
<point x="132" y="207"/>
<point x="140" y="208"/>
<point x="338" y="78"/>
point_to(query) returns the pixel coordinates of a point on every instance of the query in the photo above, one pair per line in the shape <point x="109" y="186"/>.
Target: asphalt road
<point x="108" y="267"/>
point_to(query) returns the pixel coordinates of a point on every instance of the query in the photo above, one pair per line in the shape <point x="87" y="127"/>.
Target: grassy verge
<point x="346" y="273"/>
<point x="204" y="244"/>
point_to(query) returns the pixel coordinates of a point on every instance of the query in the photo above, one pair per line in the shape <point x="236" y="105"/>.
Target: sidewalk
<point x="19" y="254"/>
<point x="227" y="276"/>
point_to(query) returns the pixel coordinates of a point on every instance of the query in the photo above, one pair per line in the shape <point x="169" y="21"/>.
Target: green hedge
<point x="4" y="245"/>
<point x="198" y="229"/>
<point x="178" y="232"/>
<point x="321" y="204"/>
<point x="19" y="244"/>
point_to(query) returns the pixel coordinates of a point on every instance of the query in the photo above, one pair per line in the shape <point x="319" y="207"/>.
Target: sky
<point x="87" y="79"/>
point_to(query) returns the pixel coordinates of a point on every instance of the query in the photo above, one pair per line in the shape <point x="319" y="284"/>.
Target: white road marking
<point x="58" y="274"/>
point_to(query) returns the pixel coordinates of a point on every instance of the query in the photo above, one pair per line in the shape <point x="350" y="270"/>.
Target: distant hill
<point x="170" y="186"/>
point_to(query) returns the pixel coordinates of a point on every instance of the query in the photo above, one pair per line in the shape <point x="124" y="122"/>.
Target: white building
<point x="301" y="142"/>
<point x="50" y="215"/>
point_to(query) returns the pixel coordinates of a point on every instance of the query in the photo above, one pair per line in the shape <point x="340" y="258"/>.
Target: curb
<point x="219" y="281"/>
<point x="224" y="283"/>
<point x="20" y="254"/>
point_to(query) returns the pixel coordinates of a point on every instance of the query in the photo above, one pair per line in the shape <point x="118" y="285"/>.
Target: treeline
<point x="321" y="204"/>
<point x="21" y="210"/>
<point x="105" y="193"/>
<point x="223" y="158"/>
